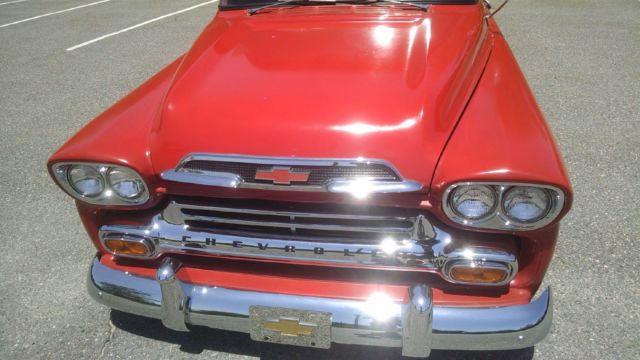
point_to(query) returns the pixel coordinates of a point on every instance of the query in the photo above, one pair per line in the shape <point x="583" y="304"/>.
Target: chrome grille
<point x="318" y="175"/>
<point x="294" y="221"/>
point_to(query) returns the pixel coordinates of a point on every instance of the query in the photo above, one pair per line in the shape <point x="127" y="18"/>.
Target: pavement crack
<point x="112" y="330"/>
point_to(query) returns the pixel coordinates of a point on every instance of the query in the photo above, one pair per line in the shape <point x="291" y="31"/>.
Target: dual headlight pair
<point x="503" y="206"/>
<point x="489" y="205"/>
<point x="102" y="184"/>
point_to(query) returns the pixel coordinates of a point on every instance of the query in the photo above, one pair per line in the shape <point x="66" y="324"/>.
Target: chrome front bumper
<point x="416" y="327"/>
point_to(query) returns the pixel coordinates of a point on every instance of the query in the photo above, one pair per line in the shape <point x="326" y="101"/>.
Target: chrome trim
<point x="176" y="218"/>
<point x="498" y="219"/>
<point x="220" y="179"/>
<point x="284" y="161"/>
<point x="417" y="322"/>
<point x="501" y="328"/>
<point x="174" y="214"/>
<point x="174" y="301"/>
<point x="358" y="187"/>
<point x="363" y="187"/>
<point x="178" y="238"/>
<point x="221" y="220"/>
<point x="429" y="248"/>
<point x="361" y="322"/>
<point x="484" y="258"/>
<point x="108" y="196"/>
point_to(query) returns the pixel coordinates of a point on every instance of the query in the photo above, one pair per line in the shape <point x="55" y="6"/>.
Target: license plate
<point x="290" y="327"/>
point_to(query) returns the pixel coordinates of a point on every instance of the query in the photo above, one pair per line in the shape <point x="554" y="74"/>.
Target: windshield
<point x="243" y="4"/>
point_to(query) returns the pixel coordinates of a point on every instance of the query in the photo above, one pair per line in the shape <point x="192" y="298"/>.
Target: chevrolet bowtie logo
<point x="290" y="327"/>
<point x="282" y="175"/>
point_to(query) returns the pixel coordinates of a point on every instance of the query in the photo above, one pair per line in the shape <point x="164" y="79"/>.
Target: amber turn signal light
<point x="478" y="274"/>
<point x="137" y="247"/>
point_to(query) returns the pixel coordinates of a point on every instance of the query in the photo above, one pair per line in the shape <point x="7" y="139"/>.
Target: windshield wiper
<point x="253" y="11"/>
<point x="422" y="7"/>
<point x="285" y="2"/>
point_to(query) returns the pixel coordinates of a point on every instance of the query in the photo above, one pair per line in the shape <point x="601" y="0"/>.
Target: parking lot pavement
<point x="580" y="56"/>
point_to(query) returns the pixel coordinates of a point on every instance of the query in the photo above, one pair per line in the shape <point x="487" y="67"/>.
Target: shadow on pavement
<point x="201" y="338"/>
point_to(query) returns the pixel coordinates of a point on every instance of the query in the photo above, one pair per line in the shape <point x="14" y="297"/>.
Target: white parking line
<point x="54" y="13"/>
<point x="139" y="25"/>
<point x="12" y="2"/>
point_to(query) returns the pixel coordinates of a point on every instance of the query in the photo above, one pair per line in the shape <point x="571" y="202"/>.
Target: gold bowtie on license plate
<point x="290" y="326"/>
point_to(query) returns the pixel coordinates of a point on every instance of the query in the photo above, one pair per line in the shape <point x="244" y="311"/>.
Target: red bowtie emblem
<point x="282" y="175"/>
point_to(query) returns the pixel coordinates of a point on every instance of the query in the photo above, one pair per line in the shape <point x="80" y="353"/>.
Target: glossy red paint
<point x="437" y="94"/>
<point x="326" y="82"/>
<point x="120" y="134"/>
<point x="503" y="136"/>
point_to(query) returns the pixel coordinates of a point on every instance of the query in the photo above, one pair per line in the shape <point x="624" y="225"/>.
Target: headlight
<point x="473" y="202"/>
<point x="502" y="206"/>
<point x="101" y="184"/>
<point x="526" y="204"/>
<point x="85" y="180"/>
<point x="126" y="183"/>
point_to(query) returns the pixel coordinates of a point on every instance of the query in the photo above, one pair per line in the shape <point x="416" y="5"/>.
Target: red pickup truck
<point x="367" y="172"/>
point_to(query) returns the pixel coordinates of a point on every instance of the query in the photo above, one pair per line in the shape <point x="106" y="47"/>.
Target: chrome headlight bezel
<point x="108" y="196"/>
<point x="498" y="219"/>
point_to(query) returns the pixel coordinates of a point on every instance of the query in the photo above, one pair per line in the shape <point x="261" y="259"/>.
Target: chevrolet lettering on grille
<point x="282" y="175"/>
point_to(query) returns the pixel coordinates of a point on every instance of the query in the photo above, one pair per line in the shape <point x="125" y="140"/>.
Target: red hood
<point x="325" y="82"/>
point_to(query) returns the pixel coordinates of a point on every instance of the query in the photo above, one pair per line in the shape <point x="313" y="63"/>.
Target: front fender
<point x="120" y="135"/>
<point x="502" y="136"/>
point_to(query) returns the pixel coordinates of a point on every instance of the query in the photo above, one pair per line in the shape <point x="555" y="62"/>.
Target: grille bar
<point x="292" y="213"/>
<point x="261" y="222"/>
<point x="296" y="225"/>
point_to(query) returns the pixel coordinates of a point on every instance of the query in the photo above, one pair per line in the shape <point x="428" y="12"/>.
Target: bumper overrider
<point x="415" y="326"/>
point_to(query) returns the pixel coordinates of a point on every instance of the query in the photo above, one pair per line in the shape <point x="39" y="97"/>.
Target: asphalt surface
<point x="582" y="59"/>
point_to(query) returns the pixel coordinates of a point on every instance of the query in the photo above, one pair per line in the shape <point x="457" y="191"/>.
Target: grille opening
<point x="294" y="219"/>
<point x="286" y="233"/>
<point x="350" y="211"/>
<point x="235" y="215"/>
<point x="318" y="175"/>
<point x="275" y="219"/>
